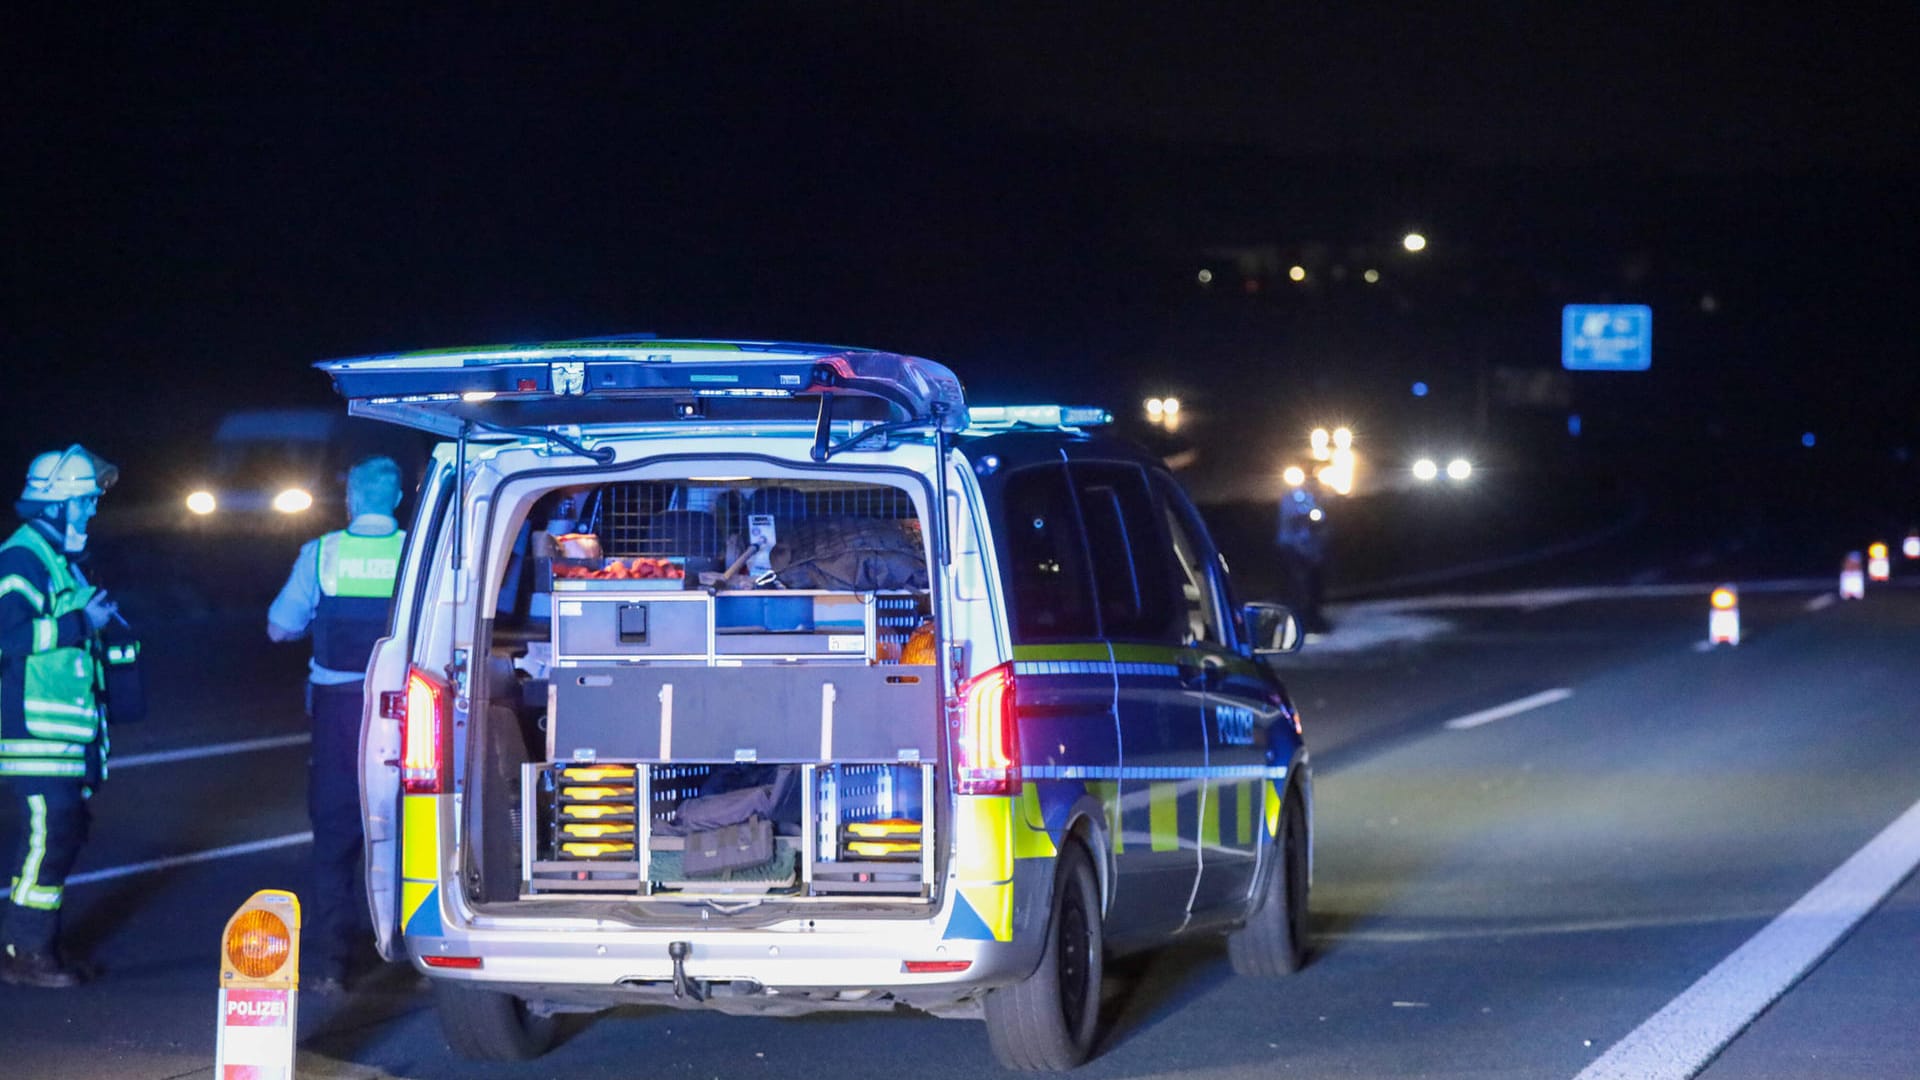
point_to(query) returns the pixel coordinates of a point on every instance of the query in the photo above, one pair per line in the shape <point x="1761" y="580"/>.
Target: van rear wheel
<point x="487" y="1025"/>
<point x="1047" y="1022"/>
<point x="1274" y="940"/>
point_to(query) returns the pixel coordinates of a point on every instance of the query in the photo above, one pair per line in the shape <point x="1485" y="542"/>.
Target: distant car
<point x="271" y="469"/>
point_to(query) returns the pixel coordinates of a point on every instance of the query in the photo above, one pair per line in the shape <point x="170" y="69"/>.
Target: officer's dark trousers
<point x="51" y="825"/>
<point x="335" y="915"/>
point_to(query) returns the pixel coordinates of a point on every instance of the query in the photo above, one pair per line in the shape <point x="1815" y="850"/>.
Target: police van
<point x="776" y="678"/>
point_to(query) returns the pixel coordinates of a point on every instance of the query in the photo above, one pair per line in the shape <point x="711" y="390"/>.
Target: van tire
<point x="487" y="1025"/>
<point x="1047" y="1022"/>
<point x="1274" y="940"/>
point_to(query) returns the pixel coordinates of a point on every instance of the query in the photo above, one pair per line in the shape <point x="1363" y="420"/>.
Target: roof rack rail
<point x="552" y="383"/>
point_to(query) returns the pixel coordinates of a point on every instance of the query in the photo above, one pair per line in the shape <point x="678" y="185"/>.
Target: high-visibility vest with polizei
<point x="357" y="574"/>
<point x="60" y="695"/>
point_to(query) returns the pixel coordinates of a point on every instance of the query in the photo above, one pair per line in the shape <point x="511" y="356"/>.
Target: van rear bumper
<point x="807" y="959"/>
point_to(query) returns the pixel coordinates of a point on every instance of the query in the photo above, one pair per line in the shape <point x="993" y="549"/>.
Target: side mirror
<point x="1272" y="629"/>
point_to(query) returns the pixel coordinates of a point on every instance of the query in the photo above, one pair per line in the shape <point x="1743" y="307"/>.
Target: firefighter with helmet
<point x="53" y="732"/>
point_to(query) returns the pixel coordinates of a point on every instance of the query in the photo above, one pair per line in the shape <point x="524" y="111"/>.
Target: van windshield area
<point x="260" y="464"/>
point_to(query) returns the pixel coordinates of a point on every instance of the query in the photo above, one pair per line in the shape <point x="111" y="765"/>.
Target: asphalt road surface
<point x="1545" y="824"/>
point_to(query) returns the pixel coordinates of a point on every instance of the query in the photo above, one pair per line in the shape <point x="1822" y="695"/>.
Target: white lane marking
<point x="1511" y="708"/>
<point x="1703" y="645"/>
<point x="1535" y="599"/>
<point x="1825" y="599"/>
<point x="1361" y="630"/>
<point x="171" y="861"/>
<point x="163" y="757"/>
<point x="1681" y="1038"/>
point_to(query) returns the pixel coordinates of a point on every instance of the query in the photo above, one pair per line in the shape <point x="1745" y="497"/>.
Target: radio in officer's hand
<point x="126" y="689"/>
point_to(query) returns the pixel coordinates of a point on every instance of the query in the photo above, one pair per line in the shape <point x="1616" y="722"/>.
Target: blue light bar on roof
<point x="1053" y="416"/>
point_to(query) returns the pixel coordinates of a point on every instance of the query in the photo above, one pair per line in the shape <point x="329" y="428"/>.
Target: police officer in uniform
<point x="53" y="732"/>
<point x="1302" y="541"/>
<point x="340" y="590"/>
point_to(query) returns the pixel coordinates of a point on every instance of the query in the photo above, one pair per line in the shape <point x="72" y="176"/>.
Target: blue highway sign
<point x="1606" y="337"/>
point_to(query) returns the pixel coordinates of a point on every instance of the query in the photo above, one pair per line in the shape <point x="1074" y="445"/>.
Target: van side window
<point x="1199" y="599"/>
<point x="1049" y="592"/>
<point x="1134" y="585"/>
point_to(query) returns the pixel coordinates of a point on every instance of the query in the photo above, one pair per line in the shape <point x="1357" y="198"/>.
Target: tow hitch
<point x="683" y="987"/>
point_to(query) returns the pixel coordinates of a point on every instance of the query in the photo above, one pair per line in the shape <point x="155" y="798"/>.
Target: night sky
<point x="198" y="207"/>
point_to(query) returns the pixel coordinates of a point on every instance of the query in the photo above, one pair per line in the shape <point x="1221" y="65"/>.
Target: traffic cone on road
<point x="1723" y="616"/>
<point x="1853" y="580"/>
<point x="1877" y="567"/>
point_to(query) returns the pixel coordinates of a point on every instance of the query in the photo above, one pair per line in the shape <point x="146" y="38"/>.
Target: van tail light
<point x="986" y="745"/>
<point x="423" y="730"/>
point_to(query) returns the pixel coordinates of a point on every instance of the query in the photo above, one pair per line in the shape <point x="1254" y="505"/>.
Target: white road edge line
<point x="171" y="861"/>
<point x="162" y="757"/>
<point x="1511" y="708"/>
<point x="1825" y="599"/>
<point x="1679" y="1040"/>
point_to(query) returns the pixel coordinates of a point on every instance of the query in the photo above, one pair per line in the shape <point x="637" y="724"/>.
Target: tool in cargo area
<point x="592" y="811"/>
<point x="922" y="646"/>
<point x="887" y="828"/>
<point x="578" y="546"/>
<point x="594" y="794"/>
<point x="884" y="849"/>
<point x="725" y="578"/>
<point x="640" y="568"/>
<point x="762" y="535"/>
<point x="588" y="774"/>
<point x="595" y="849"/>
<point x="593" y="830"/>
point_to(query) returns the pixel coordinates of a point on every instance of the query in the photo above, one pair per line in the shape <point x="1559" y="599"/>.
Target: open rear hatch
<point x="738" y="700"/>
<point x="625" y="381"/>
<point x="663" y="702"/>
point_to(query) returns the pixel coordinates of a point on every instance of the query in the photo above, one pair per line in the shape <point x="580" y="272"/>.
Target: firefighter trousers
<point x="51" y="825"/>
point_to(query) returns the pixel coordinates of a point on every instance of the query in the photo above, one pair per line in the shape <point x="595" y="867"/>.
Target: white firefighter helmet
<point x="59" y="475"/>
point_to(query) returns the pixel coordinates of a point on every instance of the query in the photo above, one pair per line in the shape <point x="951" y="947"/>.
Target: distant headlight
<point x="292" y="501"/>
<point x="202" y="502"/>
<point x="1425" y="469"/>
<point x="1459" y="469"/>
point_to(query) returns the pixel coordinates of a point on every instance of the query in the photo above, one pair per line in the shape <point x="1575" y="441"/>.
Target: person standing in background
<point x="340" y="591"/>
<point x="1302" y="540"/>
